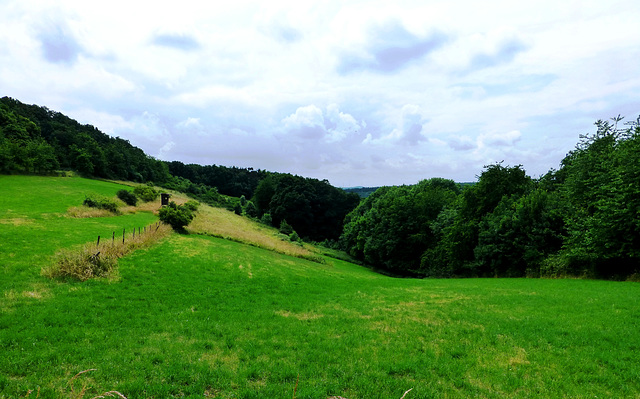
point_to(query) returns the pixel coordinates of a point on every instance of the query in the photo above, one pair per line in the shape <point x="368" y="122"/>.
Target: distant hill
<point x="363" y="192"/>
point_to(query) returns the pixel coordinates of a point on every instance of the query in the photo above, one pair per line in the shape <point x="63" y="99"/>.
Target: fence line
<point x="141" y="231"/>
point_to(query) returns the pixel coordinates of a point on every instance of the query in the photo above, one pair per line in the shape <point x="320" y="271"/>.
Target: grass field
<point x="204" y="317"/>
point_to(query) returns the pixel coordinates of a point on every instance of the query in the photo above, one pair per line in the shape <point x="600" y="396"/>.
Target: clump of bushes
<point x="127" y="197"/>
<point x="178" y="216"/>
<point x="146" y="193"/>
<point x="99" y="202"/>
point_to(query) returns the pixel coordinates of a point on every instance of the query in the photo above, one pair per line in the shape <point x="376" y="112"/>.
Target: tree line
<point x="580" y="220"/>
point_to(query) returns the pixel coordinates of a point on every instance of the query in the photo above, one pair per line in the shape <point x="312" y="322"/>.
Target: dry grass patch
<point x="94" y="261"/>
<point x="17" y="222"/>
<point x="87" y="212"/>
<point x="218" y="222"/>
<point x="300" y="316"/>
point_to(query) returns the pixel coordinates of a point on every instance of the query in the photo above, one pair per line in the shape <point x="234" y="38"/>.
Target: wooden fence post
<point x="98" y="243"/>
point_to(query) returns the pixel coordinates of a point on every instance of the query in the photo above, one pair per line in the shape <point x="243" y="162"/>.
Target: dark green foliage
<point x="294" y="237"/>
<point x="191" y="205"/>
<point x="457" y="230"/>
<point x="266" y="219"/>
<point x="35" y="139"/>
<point x="100" y="202"/>
<point x="285" y="228"/>
<point x="22" y="148"/>
<point x="602" y="202"/>
<point x="127" y="197"/>
<point x="231" y="181"/>
<point x="519" y="234"/>
<point x="314" y="208"/>
<point x="390" y="228"/>
<point x="251" y="210"/>
<point x="177" y="216"/>
<point x="146" y="193"/>
<point x="237" y="209"/>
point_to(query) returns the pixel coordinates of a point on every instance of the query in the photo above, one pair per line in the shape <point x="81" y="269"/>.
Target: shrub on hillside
<point x="127" y="197"/>
<point x="192" y="205"/>
<point x="294" y="237"/>
<point x="285" y="228"/>
<point x="251" y="210"/>
<point x="266" y="219"/>
<point x="177" y="216"/>
<point x="146" y="193"/>
<point x="99" y="202"/>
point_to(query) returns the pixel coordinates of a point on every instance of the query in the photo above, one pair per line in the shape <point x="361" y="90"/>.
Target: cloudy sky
<point x="357" y="92"/>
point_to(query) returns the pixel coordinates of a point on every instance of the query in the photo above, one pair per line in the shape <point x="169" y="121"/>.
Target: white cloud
<point x="288" y="86"/>
<point x="310" y="122"/>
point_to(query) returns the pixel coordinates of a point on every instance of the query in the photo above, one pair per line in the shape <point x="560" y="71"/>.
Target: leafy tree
<point x="251" y="210"/>
<point x="601" y="193"/>
<point x="391" y="230"/>
<point x="519" y="234"/>
<point x="314" y="208"/>
<point x="177" y="216"/>
<point x="285" y="228"/>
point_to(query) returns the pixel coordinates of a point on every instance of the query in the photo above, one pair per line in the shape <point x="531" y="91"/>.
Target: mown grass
<point x="198" y="316"/>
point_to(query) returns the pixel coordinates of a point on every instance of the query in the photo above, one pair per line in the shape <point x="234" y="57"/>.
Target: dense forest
<point x="580" y="220"/>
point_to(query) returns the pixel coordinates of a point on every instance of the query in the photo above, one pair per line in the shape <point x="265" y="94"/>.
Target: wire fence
<point x="132" y="233"/>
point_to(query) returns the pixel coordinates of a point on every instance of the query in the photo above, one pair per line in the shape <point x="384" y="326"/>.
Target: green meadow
<point x="196" y="316"/>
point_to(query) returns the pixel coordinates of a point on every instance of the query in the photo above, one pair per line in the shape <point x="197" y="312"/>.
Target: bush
<point x="98" y="202"/>
<point x="294" y="237"/>
<point x="146" y="193"/>
<point x="177" y="216"/>
<point x="128" y="197"/>
<point x="192" y="205"/>
<point x="251" y="210"/>
<point x="285" y="228"/>
<point x="266" y="219"/>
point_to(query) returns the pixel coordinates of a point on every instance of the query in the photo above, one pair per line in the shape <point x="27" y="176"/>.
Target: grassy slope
<point x="200" y="316"/>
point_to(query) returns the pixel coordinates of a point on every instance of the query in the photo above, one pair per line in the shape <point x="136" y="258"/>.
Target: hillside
<point x="201" y="316"/>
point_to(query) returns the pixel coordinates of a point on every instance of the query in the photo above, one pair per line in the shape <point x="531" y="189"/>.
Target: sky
<point x="361" y="93"/>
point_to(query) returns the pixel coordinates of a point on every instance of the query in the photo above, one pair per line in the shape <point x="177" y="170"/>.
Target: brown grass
<point x="95" y="261"/>
<point x="83" y="390"/>
<point x="86" y="212"/>
<point x="218" y="222"/>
